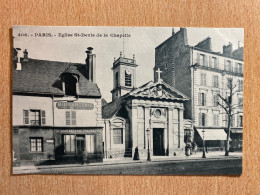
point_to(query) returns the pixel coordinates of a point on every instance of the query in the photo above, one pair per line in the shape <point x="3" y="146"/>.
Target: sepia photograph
<point x="127" y="100"/>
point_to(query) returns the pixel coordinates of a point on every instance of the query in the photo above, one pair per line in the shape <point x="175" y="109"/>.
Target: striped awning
<point x="213" y="134"/>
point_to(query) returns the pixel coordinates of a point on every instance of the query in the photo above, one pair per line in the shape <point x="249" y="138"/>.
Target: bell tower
<point x="124" y="76"/>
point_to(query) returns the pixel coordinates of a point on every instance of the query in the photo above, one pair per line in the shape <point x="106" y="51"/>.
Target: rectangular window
<point x="34" y="117"/>
<point x="215" y="100"/>
<point x="232" y="122"/>
<point x="215" y="81"/>
<point x="202" y="119"/>
<point x="70" y="117"/>
<point x="229" y="66"/>
<point x="128" y="80"/>
<point x="240" y="85"/>
<point x="214" y="62"/>
<point x="240" y="103"/>
<point x="240" y="121"/>
<point x="240" y="68"/>
<point x="36" y="144"/>
<point x="203" y="79"/>
<point x="69" y="144"/>
<point x="202" y="61"/>
<point x="116" y="80"/>
<point x="229" y="83"/>
<point x="118" y="136"/>
<point x="226" y="120"/>
<point x="90" y="143"/>
<point x="202" y="99"/>
<point x="216" y="120"/>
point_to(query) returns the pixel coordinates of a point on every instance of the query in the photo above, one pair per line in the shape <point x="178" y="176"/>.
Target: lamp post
<point x="148" y="150"/>
<point x="204" y="154"/>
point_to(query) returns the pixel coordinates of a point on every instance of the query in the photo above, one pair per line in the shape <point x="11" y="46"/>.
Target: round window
<point x="157" y="113"/>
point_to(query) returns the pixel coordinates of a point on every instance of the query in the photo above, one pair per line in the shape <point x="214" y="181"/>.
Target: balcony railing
<point x="217" y="65"/>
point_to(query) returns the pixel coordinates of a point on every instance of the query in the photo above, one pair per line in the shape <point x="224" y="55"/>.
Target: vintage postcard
<point x="127" y="100"/>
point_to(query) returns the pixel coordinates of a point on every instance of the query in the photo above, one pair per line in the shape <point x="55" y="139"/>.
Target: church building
<point x="147" y="116"/>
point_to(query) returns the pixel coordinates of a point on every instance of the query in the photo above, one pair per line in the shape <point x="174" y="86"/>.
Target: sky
<point x="65" y="44"/>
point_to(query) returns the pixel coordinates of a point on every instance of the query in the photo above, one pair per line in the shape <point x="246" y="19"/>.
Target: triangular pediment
<point x="159" y="90"/>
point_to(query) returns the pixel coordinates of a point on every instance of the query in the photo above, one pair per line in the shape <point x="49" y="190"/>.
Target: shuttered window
<point x="202" y="99"/>
<point x="216" y="120"/>
<point x="202" y="119"/>
<point x="215" y="81"/>
<point x="26" y="117"/>
<point x="70" y="117"/>
<point x="73" y="117"/>
<point x="203" y="79"/>
<point x="34" y="117"/>
<point x="67" y="117"/>
<point x="43" y="122"/>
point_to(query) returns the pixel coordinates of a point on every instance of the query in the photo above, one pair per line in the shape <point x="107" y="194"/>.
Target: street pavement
<point x="215" y="163"/>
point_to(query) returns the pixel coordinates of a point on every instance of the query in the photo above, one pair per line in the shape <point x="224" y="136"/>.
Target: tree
<point x="227" y="104"/>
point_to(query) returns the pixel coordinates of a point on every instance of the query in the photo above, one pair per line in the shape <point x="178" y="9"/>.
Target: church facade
<point x="147" y="116"/>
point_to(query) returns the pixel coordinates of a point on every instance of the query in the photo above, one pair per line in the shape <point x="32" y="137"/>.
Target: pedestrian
<point x="195" y="148"/>
<point x="136" y="155"/>
<point x="85" y="157"/>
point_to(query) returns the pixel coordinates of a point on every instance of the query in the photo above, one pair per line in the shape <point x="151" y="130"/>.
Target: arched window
<point x="128" y="79"/>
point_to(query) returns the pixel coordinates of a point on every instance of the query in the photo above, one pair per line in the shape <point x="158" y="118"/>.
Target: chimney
<point x="238" y="45"/>
<point x="228" y="49"/>
<point x="18" y="64"/>
<point x="91" y="65"/>
<point x="173" y="31"/>
<point x="25" y="55"/>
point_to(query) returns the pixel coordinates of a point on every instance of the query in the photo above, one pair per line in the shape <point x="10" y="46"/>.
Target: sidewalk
<point x="117" y="161"/>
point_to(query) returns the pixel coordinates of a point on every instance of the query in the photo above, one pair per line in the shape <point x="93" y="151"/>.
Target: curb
<point x="130" y="162"/>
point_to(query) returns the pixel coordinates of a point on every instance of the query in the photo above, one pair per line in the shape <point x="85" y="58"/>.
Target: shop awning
<point x="213" y="134"/>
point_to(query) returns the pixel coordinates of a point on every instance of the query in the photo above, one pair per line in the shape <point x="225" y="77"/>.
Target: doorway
<point x="158" y="135"/>
<point x="80" y="144"/>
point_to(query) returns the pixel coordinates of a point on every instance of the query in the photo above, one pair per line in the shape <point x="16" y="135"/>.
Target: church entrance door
<point x="158" y="149"/>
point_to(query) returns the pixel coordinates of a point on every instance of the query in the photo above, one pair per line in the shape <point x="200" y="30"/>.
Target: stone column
<point x="170" y="131"/>
<point x="146" y="125"/>
<point x="134" y="128"/>
<point x="165" y="141"/>
<point x="181" y="130"/>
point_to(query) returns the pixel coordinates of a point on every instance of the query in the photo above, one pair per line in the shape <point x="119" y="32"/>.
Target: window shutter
<point x="201" y="78"/>
<point x="205" y="60"/>
<point x="210" y="61"/>
<point x="238" y="120"/>
<point x="199" y="98"/>
<point x="43" y="117"/>
<point x="205" y="119"/>
<point x="225" y="64"/>
<point x="205" y="99"/>
<point x="205" y="80"/>
<point x="73" y="117"/>
<point x="67" y="117"/>
<point x="26" y="117"/>
<point x="213" y="81"/>
<point x="200" y="119"/>
<point x="198" y="58"/>
<point x="217" y="63"/>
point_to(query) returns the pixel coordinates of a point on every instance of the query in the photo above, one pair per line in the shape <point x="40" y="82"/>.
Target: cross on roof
<point x="159" y="74"/>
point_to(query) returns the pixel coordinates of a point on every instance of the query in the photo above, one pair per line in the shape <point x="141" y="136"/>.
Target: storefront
<point x="71" y="143"/>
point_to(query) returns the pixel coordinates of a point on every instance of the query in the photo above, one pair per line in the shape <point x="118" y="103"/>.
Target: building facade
<point x="151" y="114"/>
<point x="56" y="111"/>
<point x="204" y="76"/>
